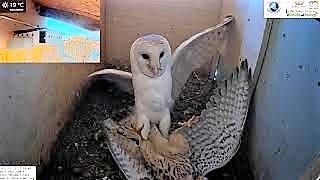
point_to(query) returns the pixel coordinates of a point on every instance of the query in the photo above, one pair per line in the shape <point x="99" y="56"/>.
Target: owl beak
<point x="155" y="71"/>
<point x="156" y="68"/>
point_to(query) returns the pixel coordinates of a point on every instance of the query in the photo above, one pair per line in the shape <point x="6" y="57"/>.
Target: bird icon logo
<point x="273" y="7"/>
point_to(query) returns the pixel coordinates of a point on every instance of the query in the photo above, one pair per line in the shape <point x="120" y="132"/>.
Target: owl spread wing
<point x="215" y="139"/>
<point x="122" y="79"/>
<point x="193" y="53"/>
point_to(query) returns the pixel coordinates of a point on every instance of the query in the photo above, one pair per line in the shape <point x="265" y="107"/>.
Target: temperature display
<point x="13" y="6"/>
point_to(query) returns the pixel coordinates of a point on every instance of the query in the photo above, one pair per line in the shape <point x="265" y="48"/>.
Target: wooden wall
<point x="177" y="20"/>
<point x="125" y="20"/>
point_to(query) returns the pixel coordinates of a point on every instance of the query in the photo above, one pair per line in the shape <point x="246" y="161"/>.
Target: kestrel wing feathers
<point x="215" y="139"/>
<point x="125" y="151"/>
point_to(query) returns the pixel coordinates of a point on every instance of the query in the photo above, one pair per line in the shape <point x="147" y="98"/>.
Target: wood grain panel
<point x="176" y="20"/>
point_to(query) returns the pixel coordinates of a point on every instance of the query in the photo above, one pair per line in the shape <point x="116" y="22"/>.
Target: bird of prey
<point x="151" y="62"/>
<point x="190" y="152"/>
<point x="202" y="144"/>
<point x="157" y="77"/>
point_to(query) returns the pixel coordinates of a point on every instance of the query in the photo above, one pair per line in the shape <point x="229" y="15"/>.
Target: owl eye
<point x="145" y="56"/>
<point x="161" y="54"/>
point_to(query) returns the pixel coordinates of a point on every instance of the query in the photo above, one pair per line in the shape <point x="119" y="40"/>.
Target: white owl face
<point x="152" y="55"/>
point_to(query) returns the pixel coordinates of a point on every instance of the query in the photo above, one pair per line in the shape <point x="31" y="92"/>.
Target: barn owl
<point x="190" y="152"/>
<point x="158" y="77"/>
<point x="151" y="62"/>
<point x="198" y="147"/>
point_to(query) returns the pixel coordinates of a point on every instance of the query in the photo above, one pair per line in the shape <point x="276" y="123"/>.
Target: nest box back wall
<point x="176" y="20"/>
<point x="124" y="21"/>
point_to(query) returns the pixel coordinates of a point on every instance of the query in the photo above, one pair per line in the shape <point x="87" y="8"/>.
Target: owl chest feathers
<point x="153" y="95"/>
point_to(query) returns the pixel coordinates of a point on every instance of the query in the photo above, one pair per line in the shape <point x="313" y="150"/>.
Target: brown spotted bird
<point x="201" y="145"/>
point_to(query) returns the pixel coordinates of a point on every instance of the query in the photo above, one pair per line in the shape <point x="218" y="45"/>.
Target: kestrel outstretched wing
<point x="215" y="138"/>
<point x="123" y="145"/>
<point x="198" y="50"/>
<point x="212" y="141"/>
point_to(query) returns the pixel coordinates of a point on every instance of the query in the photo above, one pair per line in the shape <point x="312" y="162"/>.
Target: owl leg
<point x="165" y="124"/>
<point x="192" y="120"/>
<point x="143" y="126"/>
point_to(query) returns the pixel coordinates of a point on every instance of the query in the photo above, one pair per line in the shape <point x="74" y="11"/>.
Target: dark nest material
<point x="81" y="151"/>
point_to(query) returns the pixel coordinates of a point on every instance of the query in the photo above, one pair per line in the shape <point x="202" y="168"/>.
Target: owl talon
<point x="192" y="120"/>
<point x="142" y="132"/>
